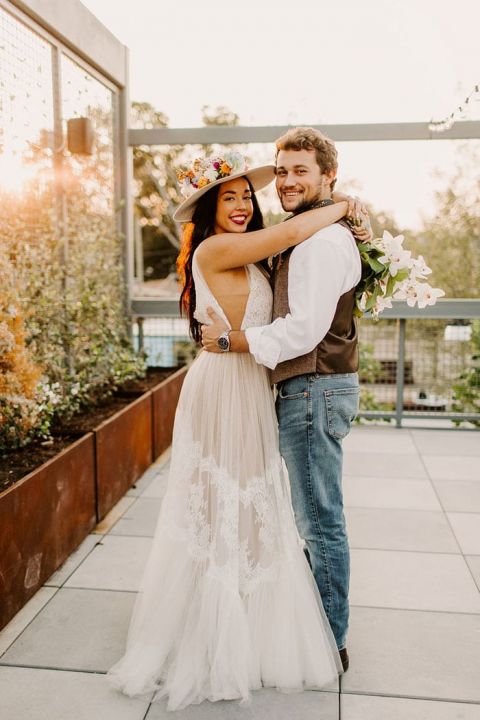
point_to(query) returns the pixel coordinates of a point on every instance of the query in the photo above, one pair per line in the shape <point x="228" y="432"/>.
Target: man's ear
<point x="329" y="177"/>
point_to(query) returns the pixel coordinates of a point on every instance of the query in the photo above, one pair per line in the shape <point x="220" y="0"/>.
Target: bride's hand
<point x="211" y="333"/>
<point x="363" y="232"/>
<point x="356" y="207"/>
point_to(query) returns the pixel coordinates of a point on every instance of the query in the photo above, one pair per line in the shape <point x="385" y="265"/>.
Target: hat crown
<point x="204" y="171"/>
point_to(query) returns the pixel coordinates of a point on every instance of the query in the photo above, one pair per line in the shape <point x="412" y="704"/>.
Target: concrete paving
<point x="412" y="501"/>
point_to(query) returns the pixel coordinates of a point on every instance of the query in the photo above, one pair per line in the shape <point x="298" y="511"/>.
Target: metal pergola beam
<point x="463" y="130"/>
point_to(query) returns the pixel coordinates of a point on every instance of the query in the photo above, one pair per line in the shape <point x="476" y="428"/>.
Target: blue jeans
<point x="314" y="414"/>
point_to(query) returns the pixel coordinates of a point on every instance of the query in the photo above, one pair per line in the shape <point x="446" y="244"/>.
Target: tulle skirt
<point x="227" y="603"/>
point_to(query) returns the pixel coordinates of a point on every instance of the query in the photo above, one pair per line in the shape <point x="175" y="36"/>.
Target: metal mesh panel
<point x="378" y="357"/>
<point x="26" y="106"/>
<point x="165" y="341"/>
<point x="84" y="96"/>
<point x="438" y="354"/>
<point x="440" y="357"/>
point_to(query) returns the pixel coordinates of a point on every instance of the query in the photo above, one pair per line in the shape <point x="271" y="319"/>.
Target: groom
<point x="311" y="350"/>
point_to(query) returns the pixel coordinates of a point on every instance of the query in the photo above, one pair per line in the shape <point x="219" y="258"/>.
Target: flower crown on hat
<point x="207" y="170"/>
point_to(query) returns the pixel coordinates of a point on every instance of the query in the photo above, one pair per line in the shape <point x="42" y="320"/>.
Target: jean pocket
<point x="342" y="409"/>
<point x="293" y="389"/>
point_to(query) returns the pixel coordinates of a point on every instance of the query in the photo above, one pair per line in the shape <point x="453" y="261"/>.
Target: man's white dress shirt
<point x="321" y="269"/>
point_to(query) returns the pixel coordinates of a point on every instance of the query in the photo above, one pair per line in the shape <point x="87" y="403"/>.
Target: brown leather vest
<point x="337" y="353"/>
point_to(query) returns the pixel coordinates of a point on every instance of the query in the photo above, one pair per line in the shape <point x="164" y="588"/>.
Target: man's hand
<point x="211" y="333"/>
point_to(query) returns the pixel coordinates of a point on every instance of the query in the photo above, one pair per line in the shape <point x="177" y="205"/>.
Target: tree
<point x="156" y="189"/>
<point x="381" y="220"/>
<point x="450" y="239"/>
<point x="220" y="116"/>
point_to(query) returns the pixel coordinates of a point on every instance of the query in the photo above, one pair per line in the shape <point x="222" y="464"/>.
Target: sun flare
<point x="15" y="173"/>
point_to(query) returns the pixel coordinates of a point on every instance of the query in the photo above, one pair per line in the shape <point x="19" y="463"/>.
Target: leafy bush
<point x="64" y="336"/>
<point x="467" y="388"/>
<point x="368" y="372"/>
<point x="26" y="403"/>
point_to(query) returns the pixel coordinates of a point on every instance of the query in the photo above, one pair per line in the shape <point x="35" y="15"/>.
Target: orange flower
<point x="202" y="182"/>
<point x="225" y="169"/>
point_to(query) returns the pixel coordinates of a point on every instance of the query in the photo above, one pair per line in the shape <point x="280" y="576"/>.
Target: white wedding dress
<point x="227" y="603"/>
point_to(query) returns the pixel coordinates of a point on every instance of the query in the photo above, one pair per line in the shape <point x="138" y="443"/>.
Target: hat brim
<point x="260" y="177"/>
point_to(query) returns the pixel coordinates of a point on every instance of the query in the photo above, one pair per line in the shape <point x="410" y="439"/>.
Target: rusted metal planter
<point x="47" y="514"/>
<point x="164" y="404"/>
<point x="43" y="518"/>
<point x="123" y="451"/>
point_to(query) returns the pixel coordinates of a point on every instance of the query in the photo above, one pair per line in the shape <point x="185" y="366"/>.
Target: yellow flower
<point x="202" y="182"/>
<point x="225" y="169"/>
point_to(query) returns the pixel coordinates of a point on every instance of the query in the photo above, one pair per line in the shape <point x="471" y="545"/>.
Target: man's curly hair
<point x="307" y="138"/>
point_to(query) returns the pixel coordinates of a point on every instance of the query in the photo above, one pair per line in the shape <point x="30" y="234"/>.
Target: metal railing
<point x="412" y="360"/>
<point x="402" y="375"/>
<point x="421" y="356"/>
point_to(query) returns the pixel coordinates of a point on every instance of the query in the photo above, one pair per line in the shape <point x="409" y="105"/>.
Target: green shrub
<point x="72" y="325"/>
<point x="467" y="388"/>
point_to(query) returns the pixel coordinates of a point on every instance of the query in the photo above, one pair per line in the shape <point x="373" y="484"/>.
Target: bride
<point x="228" y="603"/>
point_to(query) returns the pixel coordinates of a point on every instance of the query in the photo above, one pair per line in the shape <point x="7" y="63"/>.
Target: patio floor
<point x="413" y="508"/>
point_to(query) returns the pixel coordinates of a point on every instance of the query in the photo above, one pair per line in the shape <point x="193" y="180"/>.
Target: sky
<point x="311" y="62"/>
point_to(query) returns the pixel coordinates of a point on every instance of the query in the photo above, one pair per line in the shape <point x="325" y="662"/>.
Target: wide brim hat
<point x="259" y="177"/>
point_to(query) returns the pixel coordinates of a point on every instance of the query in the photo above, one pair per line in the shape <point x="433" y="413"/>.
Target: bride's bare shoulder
<point x="203" y="254"/>
<point x="212" y="249"/>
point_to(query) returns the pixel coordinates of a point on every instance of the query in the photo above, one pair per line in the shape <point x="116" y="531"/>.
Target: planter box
<point x="164" y="404"/>
<point x="123" y="450"/>
<point x="47" y="514"/>
<point x="43" y="519"/>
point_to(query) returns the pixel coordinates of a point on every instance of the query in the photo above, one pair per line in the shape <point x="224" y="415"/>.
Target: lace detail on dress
<point x="230" y="512"/>
<point x="260" y="301"/>
<point x="237" y="530"/>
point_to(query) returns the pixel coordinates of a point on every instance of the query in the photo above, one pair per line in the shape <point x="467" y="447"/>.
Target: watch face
<point x="223" y="343"/>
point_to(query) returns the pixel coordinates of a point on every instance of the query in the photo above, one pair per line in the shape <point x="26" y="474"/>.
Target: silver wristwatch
<point x="223" y="341"/>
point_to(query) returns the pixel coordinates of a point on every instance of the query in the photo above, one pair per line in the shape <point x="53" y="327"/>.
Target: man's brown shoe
<point x="344" y="658"/>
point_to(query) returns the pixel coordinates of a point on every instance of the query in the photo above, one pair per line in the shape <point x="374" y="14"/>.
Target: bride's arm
<point x="231" y="250"/>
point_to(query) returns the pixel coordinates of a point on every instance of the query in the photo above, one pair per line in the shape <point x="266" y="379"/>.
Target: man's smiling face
<point x="299" y="180"/>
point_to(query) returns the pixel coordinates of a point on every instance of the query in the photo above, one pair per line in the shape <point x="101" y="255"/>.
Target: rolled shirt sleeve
<point x="321" y="269"/>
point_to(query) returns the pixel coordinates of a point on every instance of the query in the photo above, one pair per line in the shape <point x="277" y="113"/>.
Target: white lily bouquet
<point x="389" y="272"/>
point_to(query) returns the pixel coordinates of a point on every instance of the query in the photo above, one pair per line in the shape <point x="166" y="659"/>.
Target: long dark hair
<point x="194" y="233"/>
